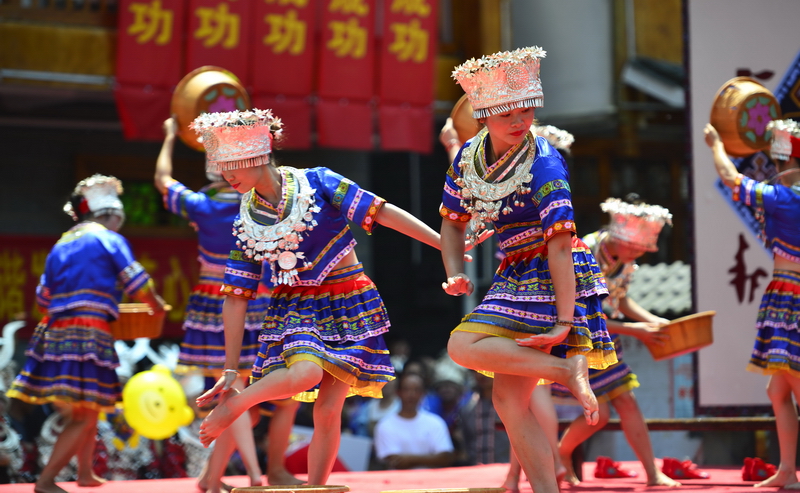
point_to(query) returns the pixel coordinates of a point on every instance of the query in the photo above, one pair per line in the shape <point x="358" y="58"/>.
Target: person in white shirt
<point x="412" y="438"/>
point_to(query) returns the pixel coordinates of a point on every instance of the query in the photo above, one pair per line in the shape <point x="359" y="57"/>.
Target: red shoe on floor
<point x="607" y="468"/>
<point x="755" y="469"/>
<point x="675" y="469"/>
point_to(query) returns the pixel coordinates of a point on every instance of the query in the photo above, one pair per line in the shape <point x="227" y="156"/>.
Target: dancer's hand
<point x="458" y="285"/>
<point x="649" y="332"/>
<point x="170" y="126"/>
<point x="711" y="135"/>
<point x="548" y="340"/>
<point x="223" y="386"/>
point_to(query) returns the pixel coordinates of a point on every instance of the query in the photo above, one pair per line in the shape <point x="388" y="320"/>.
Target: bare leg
<point x="545" y="412"/>
<point x="242" y="435"/>
<point x="280" y="384"/>
<point x="501" y="355"/>
<point x="779" y="390"/>
<point x="511" y="397"/>
<point x="280" y="428"/>
<point x="638" y="436"/>
<point x="224" y="446"/>
<point x="67" y="445"/>
<point x="86" y="475"/>
<point x="577" y="433"/>
<point x="327" y="429"/>
<point x="511" y="483"/>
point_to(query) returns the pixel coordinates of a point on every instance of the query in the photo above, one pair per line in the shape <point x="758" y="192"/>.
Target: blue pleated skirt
<point x="338" y="325"/>
<point x="777" y="344"/>
<point x="203" y="347"/>
<point x="71" y="359"/>
<point x="521" y="303"/>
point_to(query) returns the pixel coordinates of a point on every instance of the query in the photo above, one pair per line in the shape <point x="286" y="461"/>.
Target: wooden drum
<point x="741" y="111"/>
<point x="686" y="335"/>
<point x="300" y="488"/>
<point x="466" y="126"/>
<point x="207" y="89"/>
<point x="137" y="320"/>
<point x="450" y="490"/>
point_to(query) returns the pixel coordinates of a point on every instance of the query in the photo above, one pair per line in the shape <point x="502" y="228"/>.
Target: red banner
<point x="142" y="111"/>
<point x="219" y="34"/>
<point x="150" y="42"/>
<point x="171" y="263"/>
<point x="283" y="47"/>
<point x="344" y="124"/>
<point x="406" y="128"/>
<point x="347" y="53"/>
<point x="408" y="51"/>
<point x="296" y="116"/>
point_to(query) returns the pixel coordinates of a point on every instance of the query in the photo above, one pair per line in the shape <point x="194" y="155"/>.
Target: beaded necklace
<point x="277" y="243"/>
<point x="482" y="199"/>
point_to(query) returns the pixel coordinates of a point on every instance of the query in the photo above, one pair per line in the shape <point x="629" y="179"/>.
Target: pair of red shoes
<point x="607" y="468"/>
<point x="755" y="469"/>
<point x="675" y="469"/>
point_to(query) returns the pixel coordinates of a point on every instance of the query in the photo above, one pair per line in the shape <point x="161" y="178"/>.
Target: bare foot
<point x="511" y="485"/>
<point x="578" y="384"/>
<point x="561" y="473"/>
<point x="47" y="487"/>
<point x="569" y="473"/>
<point x="661" y="479"/>
<point x="90" y="480"/>
<point x="779" y="479"/>
<point x="215" y="423"/>
<point x="793" y="486"/>
<point x="282" y="477"/>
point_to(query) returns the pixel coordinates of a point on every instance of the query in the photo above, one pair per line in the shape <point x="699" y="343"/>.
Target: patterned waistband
<point x="533" y="250"/>
<point x="345" y="274"/>
<point x="789" y="276"/>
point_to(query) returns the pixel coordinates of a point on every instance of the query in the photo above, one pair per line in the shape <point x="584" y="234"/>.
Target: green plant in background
<point x="142" y="203"/>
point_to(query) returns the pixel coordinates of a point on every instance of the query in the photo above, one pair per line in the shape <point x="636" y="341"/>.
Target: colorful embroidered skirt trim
<point x="777" y="344"/>
<point x="608" y="383"/>
<point x="203" y="347"/>
<point x="337" y="325"/>
<point x="71" y="359"/>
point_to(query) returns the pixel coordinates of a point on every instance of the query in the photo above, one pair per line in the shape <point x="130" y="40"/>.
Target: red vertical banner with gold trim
<point x="149" y="63"/>
<point x="408" y="51"/>
<point x="219" y="34"/>
<point x="347" y="52"/>
<point x="407" y="73"/>
<point x="346" y="74"/>
<point x="282" y="61"/>
<point x="150" y="42"/>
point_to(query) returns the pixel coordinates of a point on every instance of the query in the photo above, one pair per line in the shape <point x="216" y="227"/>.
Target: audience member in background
<point x="485" y="436"/>
<point x="412" y="438"/>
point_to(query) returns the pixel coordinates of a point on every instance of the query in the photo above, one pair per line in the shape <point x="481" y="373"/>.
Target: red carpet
<point x="723" y="480"/>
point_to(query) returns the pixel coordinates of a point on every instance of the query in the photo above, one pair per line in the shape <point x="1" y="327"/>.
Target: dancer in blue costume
<point x="322" y="338"/>
<point x="633" y="231"/>
<point x="776" y="351"/>
<point x="547" y="293"/>
<point x="211" y="211"/>
<point x="71" y="359"/>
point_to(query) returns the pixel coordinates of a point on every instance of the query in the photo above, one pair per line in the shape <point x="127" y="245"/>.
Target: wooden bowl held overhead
<point x="686" y="335"/>
<point x="740" y="112"/>
<point x="466" y="126"/>
<point x="207" y="89"/>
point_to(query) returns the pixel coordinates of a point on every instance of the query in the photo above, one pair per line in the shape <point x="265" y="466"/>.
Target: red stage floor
<point x="723" y="480"/>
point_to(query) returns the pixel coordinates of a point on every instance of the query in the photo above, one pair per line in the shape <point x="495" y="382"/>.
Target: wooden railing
<point x="99" y="13"/>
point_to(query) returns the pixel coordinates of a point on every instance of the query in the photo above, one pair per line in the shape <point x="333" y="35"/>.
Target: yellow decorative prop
<point x="154" y="403"/>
